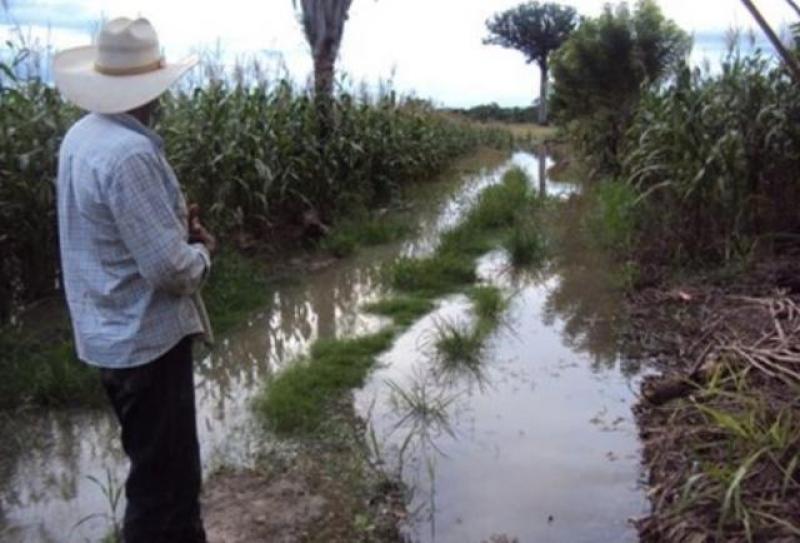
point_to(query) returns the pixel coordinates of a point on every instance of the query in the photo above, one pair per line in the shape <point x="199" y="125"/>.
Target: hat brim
<point x="78" y="81"/>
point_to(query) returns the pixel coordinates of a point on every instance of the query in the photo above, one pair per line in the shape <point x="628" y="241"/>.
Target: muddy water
<point x="545" y="430"/>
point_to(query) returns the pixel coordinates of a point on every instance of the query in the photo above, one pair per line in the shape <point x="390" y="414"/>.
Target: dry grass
<point x="723" y="444"/>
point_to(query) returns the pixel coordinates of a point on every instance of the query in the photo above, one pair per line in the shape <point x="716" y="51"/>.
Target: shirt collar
<point x="132" y="123"/>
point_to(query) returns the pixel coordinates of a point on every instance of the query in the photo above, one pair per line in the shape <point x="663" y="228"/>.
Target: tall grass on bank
<point x="247" y="150"/>
<point x="714" y="163"/>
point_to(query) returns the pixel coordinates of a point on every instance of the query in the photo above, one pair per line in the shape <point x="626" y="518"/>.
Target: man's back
<point x="128" y="272"/>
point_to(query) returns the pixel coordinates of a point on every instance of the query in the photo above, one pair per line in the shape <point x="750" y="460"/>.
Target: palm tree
<point x="323" y="24"/>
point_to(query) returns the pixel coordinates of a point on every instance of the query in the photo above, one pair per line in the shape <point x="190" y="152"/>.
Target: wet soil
<point x="725" y="343"/>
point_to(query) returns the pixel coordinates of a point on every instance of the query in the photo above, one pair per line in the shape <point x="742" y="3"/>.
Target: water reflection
<point x="46" y="459"/>
<point x="542" y="446"/>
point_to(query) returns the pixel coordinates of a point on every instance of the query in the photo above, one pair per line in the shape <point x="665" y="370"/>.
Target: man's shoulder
<point x="102" y="140"/>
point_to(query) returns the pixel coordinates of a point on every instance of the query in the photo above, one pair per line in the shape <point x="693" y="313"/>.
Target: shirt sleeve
<point x="151" y="229"/>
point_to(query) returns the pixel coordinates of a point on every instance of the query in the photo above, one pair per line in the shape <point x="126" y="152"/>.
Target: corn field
<point x="715" y="162"/>
<point x="247" y="150"/>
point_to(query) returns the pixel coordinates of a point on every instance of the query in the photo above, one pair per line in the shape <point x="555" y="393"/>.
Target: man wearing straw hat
<point x="134" y="259"/>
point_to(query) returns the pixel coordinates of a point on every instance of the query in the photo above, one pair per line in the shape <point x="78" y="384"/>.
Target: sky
<point x="432" y="48"/>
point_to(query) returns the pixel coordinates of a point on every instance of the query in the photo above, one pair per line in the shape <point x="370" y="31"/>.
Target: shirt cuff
<point x="206" y="256"/>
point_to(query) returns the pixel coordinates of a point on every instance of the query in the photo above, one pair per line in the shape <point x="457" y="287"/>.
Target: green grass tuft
<point x="46" y="375"/>
<point x="405" y="310"/>
<point x="457" y="345"/>
<point x="238" y="285"/>
<point x="294" y="402"/>
<point x="348" y="236"/>
<point x="525" y="243"/>
<point x="439" y="274"/>
<point x="498" y="205"/>
<point x="488" y="303"/>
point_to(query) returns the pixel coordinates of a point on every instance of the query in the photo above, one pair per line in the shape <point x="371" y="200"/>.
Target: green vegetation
<point x="535" y="29"/>
<point x="612" y="219"/>
<point x="404" y="310"/>
<point x="488" y="303"/>
<point x="525" y="243"/>
<point x="434" y="275"/>
<point x="45" y="373"/>
<point x="600" y="72"/>
<point x="38" y="366"/>
<point x="713" y="160"/>
<point x="238" y="286"/>
<point x="460" y="345"/>
<point x="294" y="401"/>
<point x="247" y="151"/>
<point x="457" y="345"/>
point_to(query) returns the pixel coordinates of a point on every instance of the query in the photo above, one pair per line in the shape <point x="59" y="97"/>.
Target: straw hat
<point x="122" y="71"/>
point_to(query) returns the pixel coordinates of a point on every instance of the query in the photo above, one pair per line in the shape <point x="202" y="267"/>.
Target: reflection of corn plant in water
<point x="112" y="491"/>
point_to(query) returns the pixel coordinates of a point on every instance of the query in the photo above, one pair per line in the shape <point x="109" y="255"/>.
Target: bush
<point x="601" y="70"/>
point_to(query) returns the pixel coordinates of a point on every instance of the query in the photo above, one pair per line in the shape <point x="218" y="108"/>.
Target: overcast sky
<point x="431" y="47"/>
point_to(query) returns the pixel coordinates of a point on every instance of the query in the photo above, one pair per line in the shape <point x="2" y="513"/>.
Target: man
<point x="133" y="260"/>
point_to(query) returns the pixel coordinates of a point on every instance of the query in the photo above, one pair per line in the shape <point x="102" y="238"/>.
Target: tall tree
<point x="601" y="70"/>
<point x="323" y="24"/>
<point x="536" y="29"/>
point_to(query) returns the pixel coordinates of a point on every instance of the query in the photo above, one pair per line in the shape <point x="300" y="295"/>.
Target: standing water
<point x="536" y="444"/>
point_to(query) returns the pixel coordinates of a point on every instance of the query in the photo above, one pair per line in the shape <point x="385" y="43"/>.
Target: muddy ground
<point x="322" y="488"/>
<point x="721" y="422"/>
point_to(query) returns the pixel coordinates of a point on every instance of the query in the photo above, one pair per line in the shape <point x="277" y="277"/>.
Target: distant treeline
<point x="495" y="112"/>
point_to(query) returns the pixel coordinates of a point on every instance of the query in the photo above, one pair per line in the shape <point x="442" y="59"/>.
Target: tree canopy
<point x="535" y="29"/>
<point x="600" y="70"/>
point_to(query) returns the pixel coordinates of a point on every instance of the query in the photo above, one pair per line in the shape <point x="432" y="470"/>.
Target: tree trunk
<point x="324" y="65"/>
<point x="791" y="61"/>
<point x="543" y="88"/>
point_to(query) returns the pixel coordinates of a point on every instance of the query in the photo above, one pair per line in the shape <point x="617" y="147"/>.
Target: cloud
<point x="431" y="47"/>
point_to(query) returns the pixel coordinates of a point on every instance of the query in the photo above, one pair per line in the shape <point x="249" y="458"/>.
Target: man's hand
<point x="198" y="233"/>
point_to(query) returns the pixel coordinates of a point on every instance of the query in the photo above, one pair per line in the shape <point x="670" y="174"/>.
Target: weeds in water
<point x="435" y="275"/>
<point x="404" y="310"/>
<point x="348" y="236"/>
<point x="457" y="345"/>
<point x="294" y="401"/>
<point x="422" y="410"/>
<point x="112" y="491"/>
<point x="525" y="243"/>
<point x="488" y="303"/>
<point x="497" y="205"/>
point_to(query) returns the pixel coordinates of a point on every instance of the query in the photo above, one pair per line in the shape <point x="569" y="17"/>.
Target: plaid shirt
<point x="131" y="278"/>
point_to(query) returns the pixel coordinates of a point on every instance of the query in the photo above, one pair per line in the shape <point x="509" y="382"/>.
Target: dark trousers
<point x="155" y="407"/>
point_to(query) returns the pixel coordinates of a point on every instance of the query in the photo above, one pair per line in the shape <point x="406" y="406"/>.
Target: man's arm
<point x="151" y="229"/>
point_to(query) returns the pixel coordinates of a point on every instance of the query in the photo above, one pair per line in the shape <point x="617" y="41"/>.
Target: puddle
<point x="528" y="438"/>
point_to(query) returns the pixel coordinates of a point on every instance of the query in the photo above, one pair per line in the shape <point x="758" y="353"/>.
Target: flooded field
<point x="537" y="444"/>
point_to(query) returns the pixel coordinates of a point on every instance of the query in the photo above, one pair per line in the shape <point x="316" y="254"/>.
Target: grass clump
<point x="294" y="402"/>
<point x="497" y="205"/>
<point x="403" y="309"/>
<point x="348" y="236"/>
<point x="32" y="372"/>
<point x="525" y="243"/>
<point x="439" y="274"/>
<point x="488" y="303"/>
<point x="238" y="285"/>
<point x="457" y="344"/>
